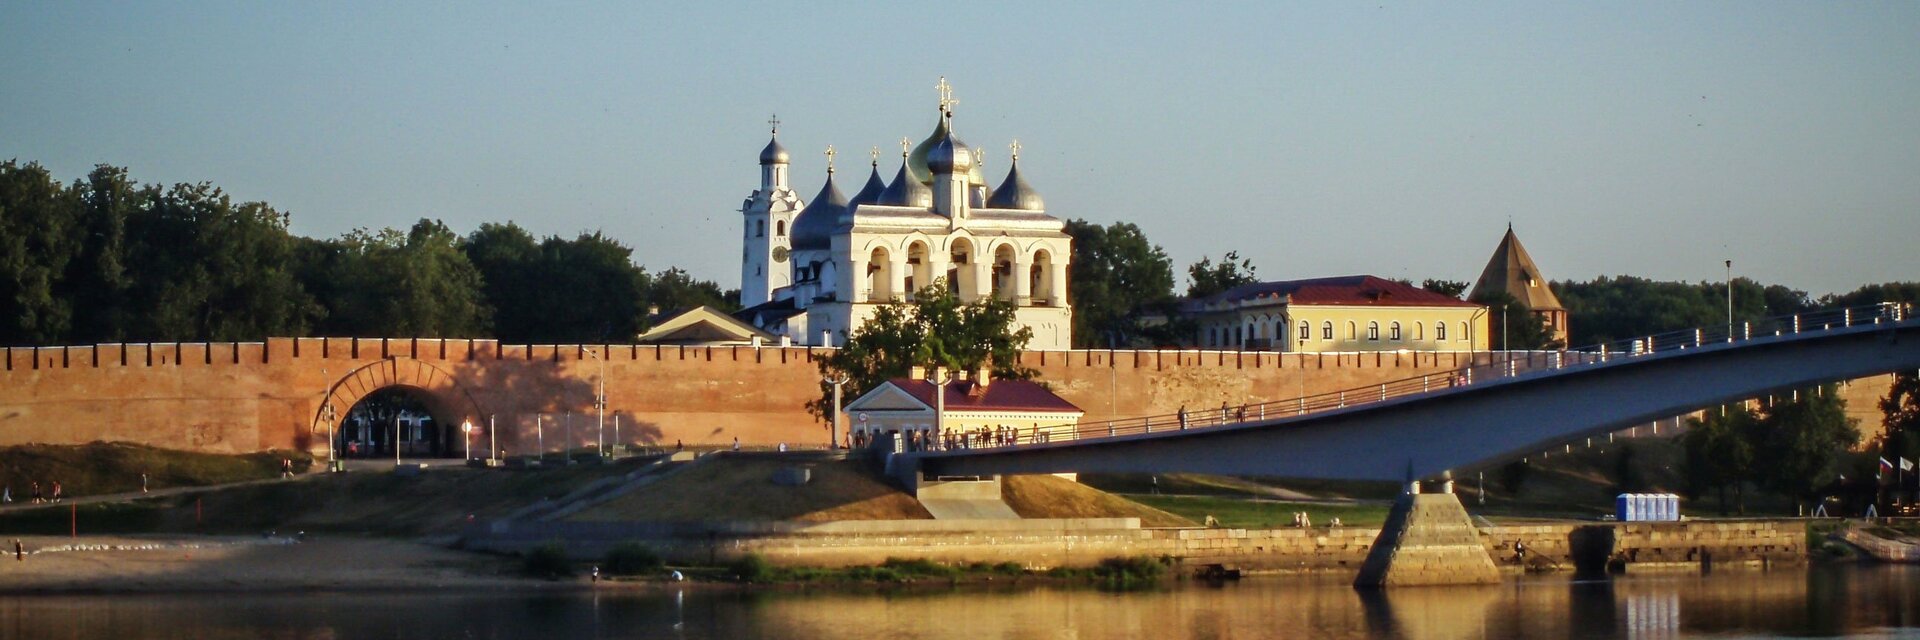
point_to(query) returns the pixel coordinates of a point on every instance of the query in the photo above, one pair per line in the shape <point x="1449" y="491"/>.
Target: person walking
<point x="143" y="483"/>
<point x="6" y="497"/>
<point x="1183" y="417"/>
<point x="57" y="495"/>
<point x="286" y="468"/>
<point x="736" y="443"/>
<point x="34" y="492"/>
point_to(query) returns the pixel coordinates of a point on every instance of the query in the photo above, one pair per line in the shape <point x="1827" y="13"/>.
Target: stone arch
<point x="449" y="402"/>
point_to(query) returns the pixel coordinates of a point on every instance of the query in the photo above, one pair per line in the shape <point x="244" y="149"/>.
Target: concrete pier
<point x="1428" y="539"/>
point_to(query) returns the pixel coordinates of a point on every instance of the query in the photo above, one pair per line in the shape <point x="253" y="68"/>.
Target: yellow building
<point x="1350" y="313"/>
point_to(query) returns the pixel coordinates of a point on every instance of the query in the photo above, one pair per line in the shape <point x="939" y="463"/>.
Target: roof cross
<point x="775" y="123"/>
<point x="946" y="96"/>
<point x="1016" y="149"/>
<point x="830" y="154"/>
<point x="876" y="156"/>
<point x="905" y="144"/>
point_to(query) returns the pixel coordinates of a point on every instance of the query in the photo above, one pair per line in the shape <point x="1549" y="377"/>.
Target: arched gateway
<point x="446" y="400"/>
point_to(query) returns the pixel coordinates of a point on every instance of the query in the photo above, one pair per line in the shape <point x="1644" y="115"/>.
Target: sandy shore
<point x="217" y="563"/>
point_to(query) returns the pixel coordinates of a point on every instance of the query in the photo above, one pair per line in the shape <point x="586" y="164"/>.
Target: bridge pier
<point x="1428" y="539"/>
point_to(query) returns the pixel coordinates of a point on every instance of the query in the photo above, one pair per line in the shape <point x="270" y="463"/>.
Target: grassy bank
<point x="1244" y="513"/>
<point x="102" y="467"/>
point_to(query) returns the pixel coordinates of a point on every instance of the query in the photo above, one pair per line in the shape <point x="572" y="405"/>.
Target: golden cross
<point x="946" y="95"/>
<point x="876" y="156"/>
<point x="905" y="144"/>
<point x="830" y="154"/>
<point x="775" y="123"/>
<point x="1016" y="149"/>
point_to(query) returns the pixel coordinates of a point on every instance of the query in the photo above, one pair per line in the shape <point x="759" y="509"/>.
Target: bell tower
<point x="768" y="216"/>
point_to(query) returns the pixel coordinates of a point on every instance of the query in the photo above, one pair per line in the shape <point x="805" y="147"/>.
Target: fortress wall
<point x="235" y="397"/>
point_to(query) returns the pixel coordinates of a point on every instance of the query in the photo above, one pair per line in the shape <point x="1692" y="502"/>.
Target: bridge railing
<point x="1502" y="365"/>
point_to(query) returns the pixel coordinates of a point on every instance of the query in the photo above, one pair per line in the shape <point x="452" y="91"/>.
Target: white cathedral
<point x="812" y="271"/>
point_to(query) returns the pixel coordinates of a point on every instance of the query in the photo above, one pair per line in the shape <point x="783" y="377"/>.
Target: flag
<point x="1884" y="466"/>
<point x="1906" y="465"/>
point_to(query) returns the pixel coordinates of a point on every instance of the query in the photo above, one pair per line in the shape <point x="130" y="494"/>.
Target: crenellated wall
<point x="249" y="396"/>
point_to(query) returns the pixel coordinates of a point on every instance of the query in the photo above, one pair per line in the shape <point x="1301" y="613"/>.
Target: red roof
<point x="1344" y="290"/>
<point x="1000" y="395"/>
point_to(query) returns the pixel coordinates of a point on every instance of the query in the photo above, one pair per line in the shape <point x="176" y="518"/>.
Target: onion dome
<point x="870" y="194"/>
<point x="917" y="160"/>
<point x="774" y="153"/>
<point x="950" y="155"/>
<point x="813" y="228"/>
<point x="906" y="191"/>
<point x="1014" y="192"/>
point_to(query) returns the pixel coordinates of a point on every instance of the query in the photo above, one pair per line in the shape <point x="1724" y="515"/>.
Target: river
<point x="1850" y="600"/>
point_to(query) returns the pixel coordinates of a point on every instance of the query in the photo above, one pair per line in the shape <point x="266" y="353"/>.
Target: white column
<point x="982" y="279"/>
<point x="899" y="273"/>
<point x="1059" y="278"/>
<point x="1023" y="280"/>
<point x="853" y="281"/>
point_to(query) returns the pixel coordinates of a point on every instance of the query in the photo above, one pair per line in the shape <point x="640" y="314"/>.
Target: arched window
<point x="1213" y="335"/>
<point x="780" y="228"/>
<point x="1393" y="331"/>
<point x="759" y="228"/>
<point x="1352" y="332"/>
<point x="1419" y="331"/>
<point x="1466" y="332"/>
<point x="1373" y="331"/>
<point x="1237" y="337"/>
<point x="1279" y="333"/>
<point x="1306" y="330"/>
<point x="1326" y="330"/>
<point x="1440" y="331"/>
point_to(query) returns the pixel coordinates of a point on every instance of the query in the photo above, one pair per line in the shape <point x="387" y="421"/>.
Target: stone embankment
<point x="1082" y="542"/>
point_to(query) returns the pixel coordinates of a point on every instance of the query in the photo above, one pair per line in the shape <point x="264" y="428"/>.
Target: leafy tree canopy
<point x="1522" y="331"/>
<point x="1206" y="278"/>
<point x="1118" y="276"/>
<point x="935" y="329"/>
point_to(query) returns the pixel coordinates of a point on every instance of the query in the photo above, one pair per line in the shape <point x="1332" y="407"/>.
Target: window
<point x="1352" y="333"/>
<point x="759" y="228"/>
<point x="1213" y="335"/>
<point x="1326" y="330"/>
<point x="1419" y="331"/>
<point x="1279" y="333"/>
<point x="1393" y="332"/>
<point x="1237" y="337"/>
<point x="1373" y="331"/>
<point x="1466" y="332"/>
<point x="1306" y="330"/>
<point x="1440" y="331"/>
<point x="780" y="228"/>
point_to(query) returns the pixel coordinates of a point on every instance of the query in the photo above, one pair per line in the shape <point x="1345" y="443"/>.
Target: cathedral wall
<point x="235" y="397"/>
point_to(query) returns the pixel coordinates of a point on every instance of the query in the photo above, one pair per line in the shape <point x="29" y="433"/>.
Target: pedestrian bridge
<point x="1420" y="427"/>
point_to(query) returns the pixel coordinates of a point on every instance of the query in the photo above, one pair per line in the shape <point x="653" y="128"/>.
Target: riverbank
<point x="172" y="564"/>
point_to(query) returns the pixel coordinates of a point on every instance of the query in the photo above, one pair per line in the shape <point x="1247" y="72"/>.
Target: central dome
<point x="917" y="160"/>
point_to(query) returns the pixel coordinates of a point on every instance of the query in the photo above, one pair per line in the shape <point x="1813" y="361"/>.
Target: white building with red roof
<point x="976" y="405"/>
<point x="1342" y="314"/>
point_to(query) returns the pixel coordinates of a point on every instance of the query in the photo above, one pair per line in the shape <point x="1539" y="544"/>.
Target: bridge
<point x="1422" y="426"/>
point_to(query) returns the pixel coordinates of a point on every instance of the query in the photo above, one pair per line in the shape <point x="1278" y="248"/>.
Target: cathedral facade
<point x="813" y="270"/>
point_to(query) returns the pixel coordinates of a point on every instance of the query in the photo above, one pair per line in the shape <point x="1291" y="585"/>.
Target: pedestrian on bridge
<point x="1183" y="417"/>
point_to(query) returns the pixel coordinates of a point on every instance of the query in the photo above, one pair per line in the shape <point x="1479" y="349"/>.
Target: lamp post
<point x="466" y="436"/>
<point x="1729" y="300"/>
<point x="833" y="439"/>
<point x="540" y="434"/>
<point x="600" y="402"/>
<point x="493" y="439"/>
<point x="327" y="413"/>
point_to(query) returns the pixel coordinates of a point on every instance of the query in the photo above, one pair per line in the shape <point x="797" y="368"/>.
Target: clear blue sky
<point x="1653" y="139"/>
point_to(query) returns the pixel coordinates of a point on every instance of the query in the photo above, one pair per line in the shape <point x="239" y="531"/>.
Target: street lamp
<point x="466" y="437"/>
<point x="493" y="439"/>
<point x="600" y="401"/>
<point x="1729" y="300"/>
<point x="327" y="413"/>
<point x="833" y="439"/>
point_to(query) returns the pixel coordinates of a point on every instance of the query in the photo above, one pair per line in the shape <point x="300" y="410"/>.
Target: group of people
<point x="37" y="496"/>
<point x="1301" y="520"/>
<point x="976" y="438"/>
<point x="1227" y="414"/>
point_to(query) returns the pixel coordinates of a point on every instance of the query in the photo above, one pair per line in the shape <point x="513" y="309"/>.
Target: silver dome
<point x="1014" y="193"/>
<point x="774" y="153"/>
<point x="813" y="228"/>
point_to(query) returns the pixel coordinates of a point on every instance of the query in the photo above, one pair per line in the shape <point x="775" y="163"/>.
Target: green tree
<point x="1206" y="278"/>
<point x="1613" y="308"/>
<point x="209" y="269"/>
<point x="512" y="270"/>
<point x="37" y="241"/>
<point x="1719" y="452"/>
<point x="1453" y="288"/>
<point x="935" y="329"/>
<point x="673" y="289"/>
<point x="97" y="281"/>
<point x="1118" y="276"/>
<point x="1802" y="442"/>
<point x="1523" y="331"/>
<point x="1902" y="410"/>
<point x="413" y="283"/>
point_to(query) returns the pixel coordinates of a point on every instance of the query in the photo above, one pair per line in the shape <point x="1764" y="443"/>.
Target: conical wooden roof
<point x="1512" y="270"/>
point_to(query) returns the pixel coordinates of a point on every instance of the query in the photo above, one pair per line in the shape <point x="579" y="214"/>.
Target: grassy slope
<point x="115" y="468"/>
<point x="1046" y="496"/>
<point x="742" y="488"/>
<point x="1266" y="514"/>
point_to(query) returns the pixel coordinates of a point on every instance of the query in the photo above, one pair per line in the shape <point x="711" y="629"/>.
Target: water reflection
<point x="1821" y="601"/>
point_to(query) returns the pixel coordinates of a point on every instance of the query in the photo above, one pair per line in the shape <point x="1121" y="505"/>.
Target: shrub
<point x="1129" y="571"/>
<point x="630" y="559"/>
<point x="752" y="568"/>
<point x="918" y="567"/>
<point x="548" y="561"/>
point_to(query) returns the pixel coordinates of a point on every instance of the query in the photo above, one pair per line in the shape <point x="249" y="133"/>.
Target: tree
<point x="933" y="330"/>
<point x="1902" y="410"/>
<point x="1118" y="276"/>
<point x="1207" y="278"/>
<point x="37" y="220"/>
<point x="1719" y="452"/>
<point x="512" y="272"/>
<point x="1524" y="331"/>
<point x="1802" y="442"/>
<point x="98" y="279"/>
<point x="416" y="283"/>
<point x="1453" y="288"/>
<point x="208" y="269"/>
<point x="674" y="288"/>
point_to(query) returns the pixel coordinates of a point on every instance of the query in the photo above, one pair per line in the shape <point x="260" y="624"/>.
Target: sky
<point x="1318" y="139"/>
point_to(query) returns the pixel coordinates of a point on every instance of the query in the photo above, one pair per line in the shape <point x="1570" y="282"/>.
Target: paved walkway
<point x="21" y="504"/>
